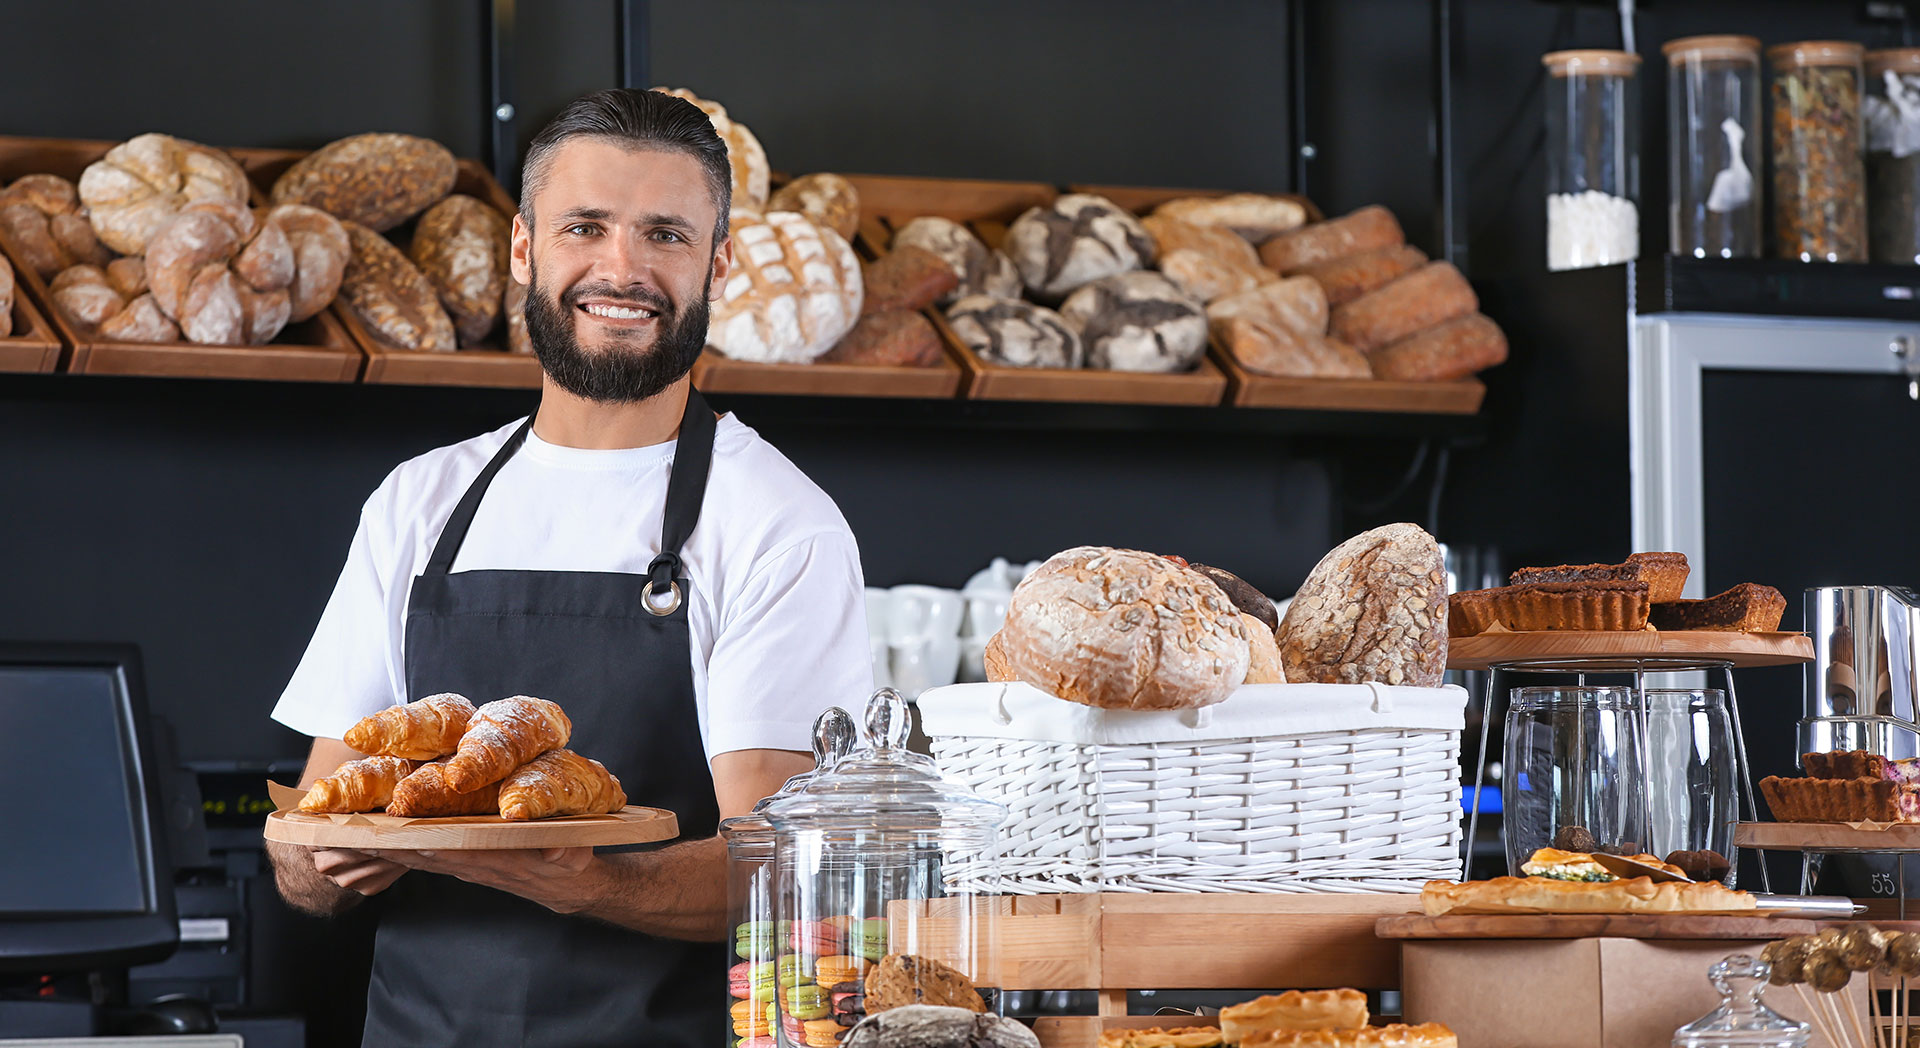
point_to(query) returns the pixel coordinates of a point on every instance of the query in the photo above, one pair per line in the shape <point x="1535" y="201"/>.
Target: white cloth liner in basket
<point x="1281" y="788"/>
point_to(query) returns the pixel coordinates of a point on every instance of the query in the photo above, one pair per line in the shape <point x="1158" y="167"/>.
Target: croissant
<point x="358" y="785"/>
<point x="425" y="794"/>
<point x="503" y="735"/>
<point x="417" y="731"/>
<point x="560" y="782"/>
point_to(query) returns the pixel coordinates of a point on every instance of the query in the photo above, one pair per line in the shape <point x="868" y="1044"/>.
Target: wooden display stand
<point x="488" y="364"/>
<point x="32" y="346"/>
<point x="1115" y="942"/>
<point x="317" y="350"/>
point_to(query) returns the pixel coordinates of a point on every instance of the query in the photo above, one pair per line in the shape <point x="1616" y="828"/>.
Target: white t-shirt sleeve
<point x="348" y="670"/>
<point x="794" y="643"/>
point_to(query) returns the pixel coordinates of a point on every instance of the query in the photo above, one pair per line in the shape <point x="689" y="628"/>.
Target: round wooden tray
<point x="1826" y="837"/>
<point x="1593" y="925"/>
<point x="629" y="825"/>
<point x="1601" y="652"/>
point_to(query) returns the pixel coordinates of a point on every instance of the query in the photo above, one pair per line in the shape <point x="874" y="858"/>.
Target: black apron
<point x="459" y="964"/>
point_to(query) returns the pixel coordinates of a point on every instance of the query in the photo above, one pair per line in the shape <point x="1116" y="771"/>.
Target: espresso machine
<point x="1864" y="681"/>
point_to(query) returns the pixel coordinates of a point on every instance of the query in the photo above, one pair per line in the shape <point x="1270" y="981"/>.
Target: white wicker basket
<point x="1281" y="788"/>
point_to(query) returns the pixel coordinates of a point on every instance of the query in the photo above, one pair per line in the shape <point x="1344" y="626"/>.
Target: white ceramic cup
<point x="931" y="662"/>
<point x="986" y="613"/>
<point x="916" y="613"/>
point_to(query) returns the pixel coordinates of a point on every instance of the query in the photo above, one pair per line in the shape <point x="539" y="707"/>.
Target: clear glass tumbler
<point x="1574" y="761"/>
<point x="1691" y="774"/>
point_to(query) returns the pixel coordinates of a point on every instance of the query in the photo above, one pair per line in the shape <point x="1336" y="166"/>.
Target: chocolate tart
<point x="1746" y="608"/>
<point x="1840" y="800"/>
<point x="1616" y="606"/>
<point x="1664" y="573"/>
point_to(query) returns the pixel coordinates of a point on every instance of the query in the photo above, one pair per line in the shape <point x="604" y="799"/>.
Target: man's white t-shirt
<point x="777" y="613"/>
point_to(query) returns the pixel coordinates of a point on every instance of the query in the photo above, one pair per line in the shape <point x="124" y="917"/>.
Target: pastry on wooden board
<point x="1295" y="1010"/>
<point x="1664" y="573"/>
<point x="420" y="730"/>
<point x="1598" y="605"/>
<point x="425" y="794"/>
<point x="1545" y="895"/>
<point x="1396" y="1035"/>
<point x="560" y="782"/>
<point x="503" y="735"/>
<point x="361" y="785"/>
<point x="1746" y="608"/>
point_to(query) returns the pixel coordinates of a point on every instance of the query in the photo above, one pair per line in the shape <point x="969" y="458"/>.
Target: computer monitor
<point x="84" y="879"/>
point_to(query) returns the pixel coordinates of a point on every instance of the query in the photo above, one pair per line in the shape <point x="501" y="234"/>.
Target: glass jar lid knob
<point x="1741" y="1019"/>
<point x="888" y="724"/>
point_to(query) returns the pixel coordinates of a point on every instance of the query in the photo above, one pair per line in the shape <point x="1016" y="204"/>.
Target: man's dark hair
<point x="633" y="119"/>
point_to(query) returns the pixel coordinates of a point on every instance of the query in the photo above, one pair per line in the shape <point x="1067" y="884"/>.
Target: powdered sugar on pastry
<point x="504" y="735"/>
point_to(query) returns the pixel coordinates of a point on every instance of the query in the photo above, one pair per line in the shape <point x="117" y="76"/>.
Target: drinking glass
<point x="1691" y="773"/>
<point x="1574" y="758"/>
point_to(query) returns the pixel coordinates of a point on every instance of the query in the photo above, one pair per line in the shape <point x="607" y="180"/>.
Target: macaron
<point x="794" y="971"/>
<point x="749" y="1019"/>
<point x="816" y="938"/>
<point x="795" y="1030"/>
<point x="821" y="1033"/>
<point x="839" y="968"/>
<point x="868" y="938"/>
<point x="757" y="1042"/>
<point x="740" y="980"/>
<point x="805" y="1003"/>
<point x="753" y="939"/>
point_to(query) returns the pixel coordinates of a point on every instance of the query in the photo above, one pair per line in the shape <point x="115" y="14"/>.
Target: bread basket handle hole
<point x="1000" y="714"/>
<point x="1197" y="717"/>
<point x="1382" y="698"/>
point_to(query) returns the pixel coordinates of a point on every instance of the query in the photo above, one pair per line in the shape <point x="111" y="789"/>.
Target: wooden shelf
<point x="1826" y="837"/>
<point x="1596" y="651"/>
<point x="1591" y="926"/>
<point x="714" y="373"/>
<point x="33" y="345"/>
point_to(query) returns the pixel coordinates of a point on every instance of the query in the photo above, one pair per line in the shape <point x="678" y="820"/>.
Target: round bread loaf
<point x="112" y="304"/>
<point x="128" y="276"/>
<point x="388" y="294"/>
<point x="751" y="175"/>
<point x="826" y="198"/>
<point x="378" y="180"/>
<point x="794" y="291"/>
<point x="981" y="269"/>
<point x="1373" y="610"/>
<point x="1076" y="241"/>
<point x="461" y="247"/>
<point x="1138" y="321"/>
<point x="320" y="253"/>
<point x="1015" y="333"/>
<point x="1123" y="629"/>
<point x="141" y="321"/>
<point x="1263" y="665"/>
<point x="85" y="295"/>
<point x="1249" y="600"/>
<point x="222" y="273"/>
<point x="41" y="213"/>
<point x="142" y="182"/>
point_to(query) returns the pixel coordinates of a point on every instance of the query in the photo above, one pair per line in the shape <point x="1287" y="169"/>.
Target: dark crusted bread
<point x="1746" y="608"/>
<point x="1249" y="600"/>
<point x="1840" y="800"/>
<point x="1664" y="573"/>
<point x="1603" y="605"/>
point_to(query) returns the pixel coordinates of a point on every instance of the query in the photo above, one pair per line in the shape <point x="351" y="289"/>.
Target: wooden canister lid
<point x="1591" y="63"/>
<point x="1711" y="49"/>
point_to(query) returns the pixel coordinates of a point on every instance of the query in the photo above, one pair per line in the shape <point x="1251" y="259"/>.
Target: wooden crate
<point x="489" y="364"/>
<point x="33" y="345"/>
<point x="887" y="203"/>
<point x="316" y="350"/>
<point x="1115" y="942"/>
<point x="1141" y="199"/>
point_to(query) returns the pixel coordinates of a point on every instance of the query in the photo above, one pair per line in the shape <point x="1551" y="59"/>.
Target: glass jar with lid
<point x="879" y="860"/>
<point x="1819" y="179"/>
<point x="1713" y="146"/>
<point x="751" y="975"/>
<point x="1891" y="113"/>
<point x="1742" y="1021"/>
<point x="1593" y="159"/>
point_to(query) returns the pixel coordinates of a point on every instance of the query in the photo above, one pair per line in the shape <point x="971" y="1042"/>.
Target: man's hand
<point x="356" y="871"/>
<point x="564" y="880"/>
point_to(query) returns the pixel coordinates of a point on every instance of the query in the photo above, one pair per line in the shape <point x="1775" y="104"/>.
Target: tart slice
<point x="1664" y="573"/>
<point x="1746" y="608"/>
<point x="1604" y="605"/>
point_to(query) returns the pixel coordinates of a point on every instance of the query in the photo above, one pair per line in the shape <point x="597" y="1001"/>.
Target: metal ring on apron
<point x="646" y="601"/>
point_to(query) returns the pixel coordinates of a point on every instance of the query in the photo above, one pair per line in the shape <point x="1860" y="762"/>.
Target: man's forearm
<point x="305" y="888"/>
<point x="679" y="892"/>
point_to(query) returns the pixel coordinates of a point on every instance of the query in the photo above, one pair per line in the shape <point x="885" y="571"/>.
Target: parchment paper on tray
<point x="286" y="799"/>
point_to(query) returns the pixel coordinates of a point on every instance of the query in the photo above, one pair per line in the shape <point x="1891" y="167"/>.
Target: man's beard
<point x="620" y="372"/>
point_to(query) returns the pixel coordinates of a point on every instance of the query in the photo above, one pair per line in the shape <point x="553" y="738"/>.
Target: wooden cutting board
<point x="1590" y="926"/>
<point x="1599" y="651"/>
<point x="630" y="825"/>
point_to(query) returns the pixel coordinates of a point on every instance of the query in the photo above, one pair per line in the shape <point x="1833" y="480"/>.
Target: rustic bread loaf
<point x="826" y="198"/>
<point x="1373" y="610"/>
<point x="460" y="245"/>
<point x="1433" y="294"/>
<point x="1207" y="262"/>
<point x="980" y="269"/>
<point x="1251" y="216"/>
<point x="1263" y="662"/>
<point x="128" y="276"/>
<point x="86" y="296"/>
<point x="1351" y="276"/>
<point x="1244" y="596"/>
<point x="1015" y="333"/>
<point x="41" y="215"/>
<point x="1367" y="229"/>
<point x="1296" y="304"/>
<point x="320" y="253"/>
<point x="388" y="294"/>
<point x="1123" y="629"/>
<point x="893" y="338"/>
<point x="514" y="305"/>
<point x="222" y="272"/>
<point x="1077" y="240"/>
<point x="142" y="182"/>
<point x="794" y="291"/>
<point x="1269" y="349"/>
<point x="377" y="180"/>
<point x="1138" y="321"/>
<point x="907" y="278"/>
<point x="141" y="321"/>
<point x="751" y="175"/>
<point x="1442" y="353"/>
<point x="6" y="296"/>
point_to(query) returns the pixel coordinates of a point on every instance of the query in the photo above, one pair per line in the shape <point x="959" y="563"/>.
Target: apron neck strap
<point x="686" y="490"/>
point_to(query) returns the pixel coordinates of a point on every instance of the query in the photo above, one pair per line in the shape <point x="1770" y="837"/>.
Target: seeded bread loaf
<point x="385" y="291"/>
<point x="1122" y="629"/>
<point x="375" y="180"/>
<point x="460" y="245"/>
<point x="1373" y="610"/>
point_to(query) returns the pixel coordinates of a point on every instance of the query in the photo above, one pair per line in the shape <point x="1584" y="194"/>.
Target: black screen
<point x="74" y="821"/>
